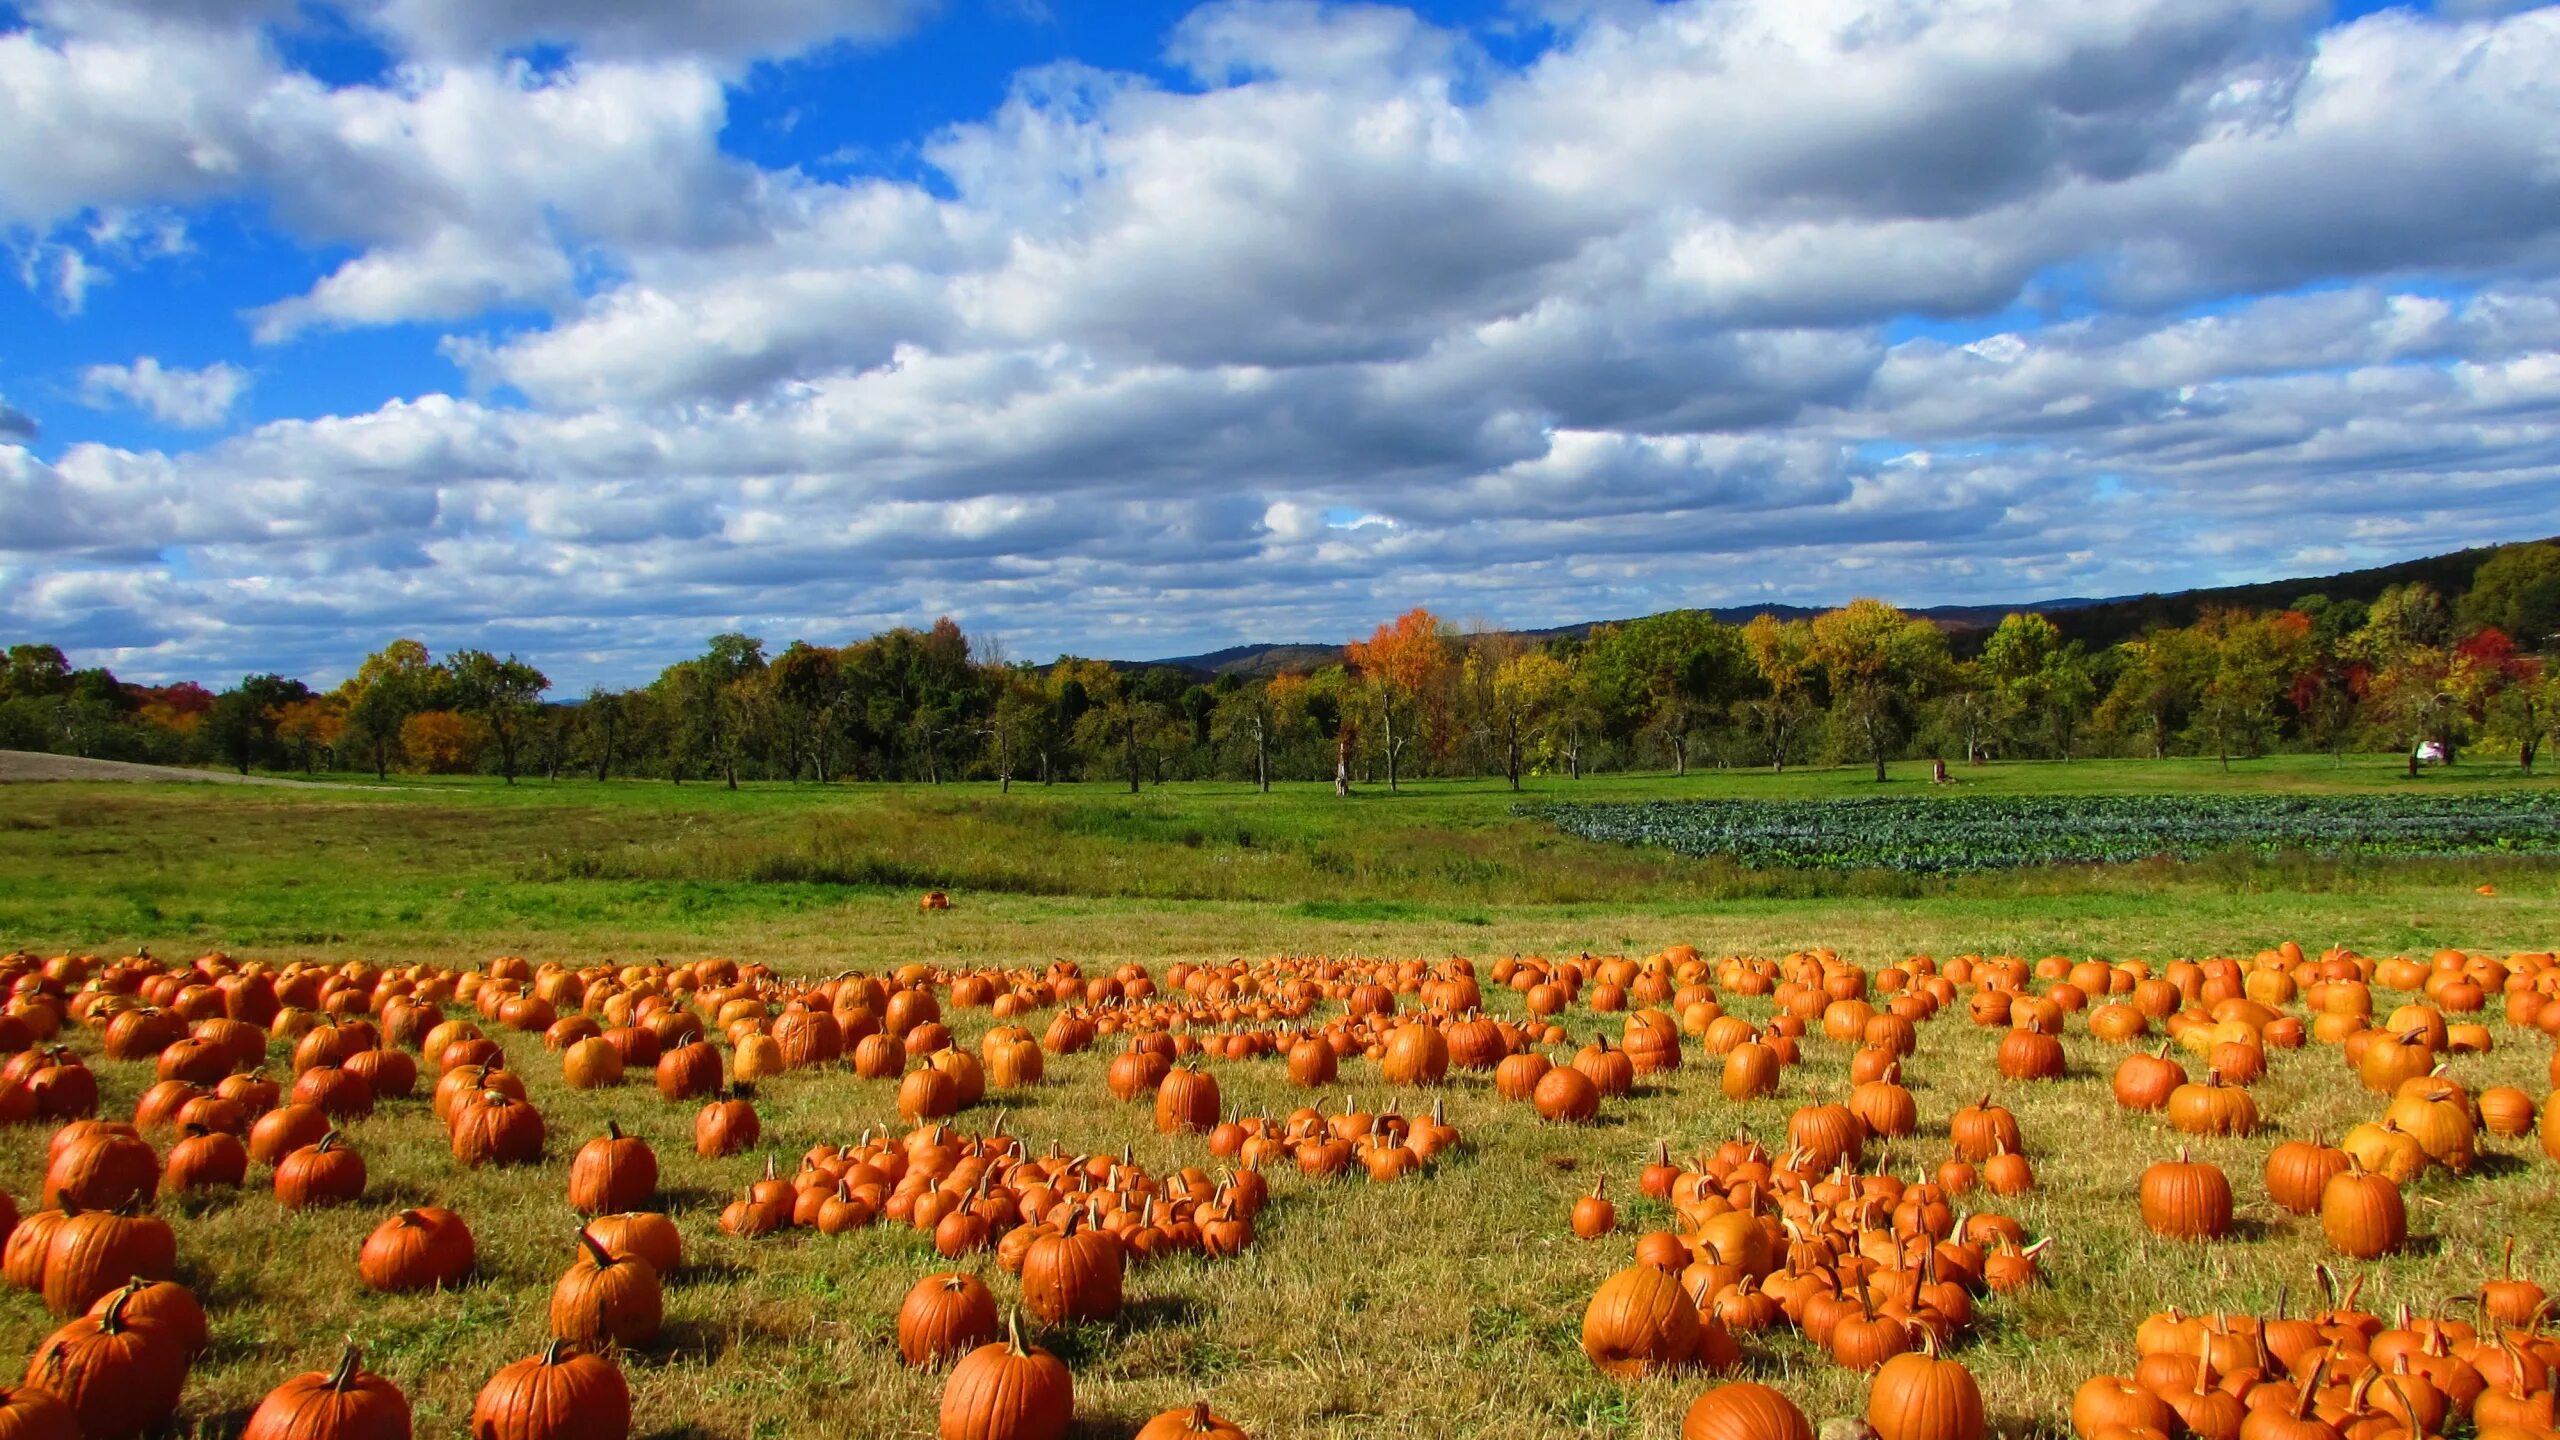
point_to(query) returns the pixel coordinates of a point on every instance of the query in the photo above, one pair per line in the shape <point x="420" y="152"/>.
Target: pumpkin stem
<point x="595" y="1248"/>
<point x="349" y="1364"/>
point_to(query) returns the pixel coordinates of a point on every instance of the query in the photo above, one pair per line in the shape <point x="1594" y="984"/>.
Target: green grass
<point x="1442" y="1307"/>
<point x="788" y="872"/>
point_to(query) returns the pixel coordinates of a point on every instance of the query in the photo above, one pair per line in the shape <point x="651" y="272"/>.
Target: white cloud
<point x="192" y="399"/>
<point x="1355" y="318"/>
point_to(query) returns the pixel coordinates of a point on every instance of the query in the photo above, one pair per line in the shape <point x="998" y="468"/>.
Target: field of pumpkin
<point x="2275" y="1196"/>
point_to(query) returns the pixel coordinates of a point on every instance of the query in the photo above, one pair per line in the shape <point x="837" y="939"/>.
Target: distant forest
<point x="2460" y="650"/>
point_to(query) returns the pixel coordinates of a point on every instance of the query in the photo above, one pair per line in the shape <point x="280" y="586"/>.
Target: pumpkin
<point x="2299" y="1170"/>
<point x="2218" y="1108"/>
<point x="1007" y="1391"/>
<point x="1416" y="1054"/>
<point x="1565" y="1095"/>
<point x="604" y="1298"/>
<point x="1593" y="1215"/>
<point x="1186" y="1100"/>
<point x="1640" y="1321"/>
<point x="97" y="1251"/>
<point x="944" y="1316"/>
<point x="419" y="1249"/>
<point x="119" y="1379"/>
<point x="725" y="1127"/>
<point x="1075" y="1274"/>
<point x="1919" y="1396"/>
<point x="1982" y="1129"/>
<point x="204" y="1160"/>
<point x="1751" y="1071"/>
<point x="561" y="1394"/>
<point x="164" y="1306"/>
<point x="495" y="1128"/>
<point x="2186" y="1199"/>
<point x="2506" y="1112"/>
<point x="1314" y="1064"/>
<point x="643" y="1235"/>
<point x="1195" y="1419"/>
<point x="102" y="1169"/>
<point x="1744" y="1411"/>
<point x="689" y="1070"/>
<point x="284" y="1129"/>
<point x="346" y="1403"/>
<point x="27" y="1413"/>
<point x="591" y="1063"/>
<point x="325" y="1172"/>
<point x="2363" y="1215"/>
<point x="1827" y="1134"/>
<point x="612" y="1172"/>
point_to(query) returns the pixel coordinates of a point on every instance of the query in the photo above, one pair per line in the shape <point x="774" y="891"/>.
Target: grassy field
<point x="1446" y="1305"/>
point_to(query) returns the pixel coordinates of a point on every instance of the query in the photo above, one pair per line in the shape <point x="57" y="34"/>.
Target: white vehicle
<point x="2429" y="752"/>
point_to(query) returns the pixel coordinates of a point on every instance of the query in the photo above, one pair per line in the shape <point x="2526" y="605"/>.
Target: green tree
<point x="1528" y="692"/>
<point x="241" y="726"/>
<point x="2517" y="591"/>
<point x="1878" y="664"/>
<point x="395" y="682"/>
<point x="502" y="694"/>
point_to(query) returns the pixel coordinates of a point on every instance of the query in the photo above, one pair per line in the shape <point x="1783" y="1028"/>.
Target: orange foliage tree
<point x="1403" y="663"/>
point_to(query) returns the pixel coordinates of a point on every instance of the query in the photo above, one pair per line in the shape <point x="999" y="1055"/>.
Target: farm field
<point x="1450" y="1300"/>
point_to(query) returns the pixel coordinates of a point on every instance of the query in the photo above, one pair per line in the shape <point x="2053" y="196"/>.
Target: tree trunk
<point x="1129" y="752"/>
<point x="729" y="768"/>
<point x="1342" y="762"/>
<point x="1679" y="756"/>
<point x="1262" y="757"/>
<point x="1511" y="762"/>
<point x="1390" y="713"/>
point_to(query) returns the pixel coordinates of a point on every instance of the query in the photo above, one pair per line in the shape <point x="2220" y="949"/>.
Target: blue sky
<point x="595" y="326"/>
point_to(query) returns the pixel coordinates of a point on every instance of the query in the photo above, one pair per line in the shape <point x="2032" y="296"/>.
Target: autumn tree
<point x="242" y="724"/>
<point x="310" y="728"/>
<point x="1526" y="691"/>
<point x="442" y="742"/>
<point x="1784" y="661"/>
<point x="1401" y="664"/>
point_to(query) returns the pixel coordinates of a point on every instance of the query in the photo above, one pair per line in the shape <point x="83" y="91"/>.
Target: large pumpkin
<point x="1744" y="1412"/>
<point x="1640" y="1322"/>
<point x="946" y="1315"/>
<point x="1192" y="1422"/>
<point x="418" y="1249"/>
<point x="560" y="1394"/>
<point x="607" y="1297"/>
<point x="119" y="1379"/>
<point x="346" y="1403"/>
<point x="1007" y="1391"/>
<point x="1921" y="1397"/>
<point x="2186" y="1199"/>
<point x="2363" y="1215"/>
<point x="1073" y="1275"/>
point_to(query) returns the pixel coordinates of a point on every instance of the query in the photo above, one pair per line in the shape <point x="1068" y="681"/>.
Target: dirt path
<point x="22" y="766"/>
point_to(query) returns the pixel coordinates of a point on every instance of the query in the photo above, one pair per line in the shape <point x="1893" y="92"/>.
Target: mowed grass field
<point x="1445" y="1304"/>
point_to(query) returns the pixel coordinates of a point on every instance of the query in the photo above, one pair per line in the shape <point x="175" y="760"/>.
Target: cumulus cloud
<point x="192" y="399"/>
<point x="1687" y="309"/>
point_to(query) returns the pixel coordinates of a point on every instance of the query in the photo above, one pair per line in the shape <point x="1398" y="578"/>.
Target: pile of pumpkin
<point x="1869" y="1266"/>
<point x="2338" y="1374"/>
<point x="973" y="1193"/>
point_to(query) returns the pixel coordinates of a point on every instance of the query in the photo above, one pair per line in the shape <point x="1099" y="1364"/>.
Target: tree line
<point x="1865" y="684"/>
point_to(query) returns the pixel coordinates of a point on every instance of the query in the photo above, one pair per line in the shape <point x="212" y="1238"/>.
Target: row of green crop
<point x="1988" y="832"/>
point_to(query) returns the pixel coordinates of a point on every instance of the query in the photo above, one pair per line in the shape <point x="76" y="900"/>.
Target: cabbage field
<point x="1931" y="834"/>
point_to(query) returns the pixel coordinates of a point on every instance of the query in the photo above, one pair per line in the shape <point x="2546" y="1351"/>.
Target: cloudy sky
<point x="590" y="327"/>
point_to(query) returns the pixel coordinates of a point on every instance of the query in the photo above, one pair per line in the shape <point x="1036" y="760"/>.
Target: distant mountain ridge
<point x="2096" y="622"/>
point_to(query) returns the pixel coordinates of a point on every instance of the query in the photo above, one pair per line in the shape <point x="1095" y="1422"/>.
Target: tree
<point x="442" y="742"/>
<point x="1401" y="663"/>
<point x="1528" y="690"/>
<point x="1667" y="674"/>
<point x="241" y="726"/>
<point x="601" y="721"/>
<point x="1122" y="719"/>
<point x="2039" y="678"/>
<point x="2158" y="681"/>
<point x="1249" y="716"/>
<point x="2254" y="659"/>
<point x="1018" y="722"/>
<point x="395" y="682"/>
<point x="35" y="672"/>
<point x="310" y="728"/>
<point x="2526" y="709"/>
<point x="501" y="694"/>
<point x="2517" y="591"/>
<point x="1968" y="709"/>
<point x="808" y="684"/>
<point x="1877" y="663"/>
<point x="1783" y="660"/>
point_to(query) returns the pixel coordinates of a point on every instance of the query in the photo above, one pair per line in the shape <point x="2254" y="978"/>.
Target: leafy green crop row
<point x="1992" y="832"/>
